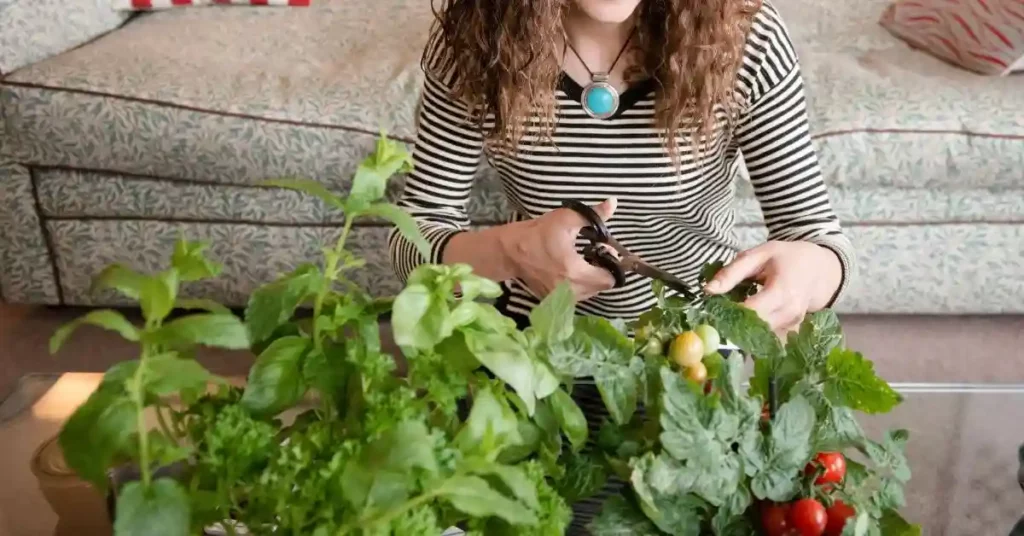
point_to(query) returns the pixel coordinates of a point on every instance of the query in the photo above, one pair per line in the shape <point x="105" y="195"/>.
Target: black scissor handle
<point x="596" y="230"/>
<point x="602" y="258"/>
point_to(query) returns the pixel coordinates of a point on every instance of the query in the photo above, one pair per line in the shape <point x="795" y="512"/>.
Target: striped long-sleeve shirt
<point x="677" y="218"/>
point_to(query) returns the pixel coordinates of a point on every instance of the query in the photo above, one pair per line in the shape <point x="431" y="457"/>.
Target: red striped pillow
<point x="985" y="36"/>
<point x="149" y="5"/>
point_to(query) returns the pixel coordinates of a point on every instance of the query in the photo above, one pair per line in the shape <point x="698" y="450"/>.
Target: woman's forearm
<point x="486" y="250"/>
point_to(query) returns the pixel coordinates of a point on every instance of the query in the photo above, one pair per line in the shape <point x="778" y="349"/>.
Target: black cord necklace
<point x="600" y="99"/>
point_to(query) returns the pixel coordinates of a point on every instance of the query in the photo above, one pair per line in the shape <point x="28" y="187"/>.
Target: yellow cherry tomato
<point x="687" y="349"/>
<point x="710" y="337"/>
<point x="696" y="373"/>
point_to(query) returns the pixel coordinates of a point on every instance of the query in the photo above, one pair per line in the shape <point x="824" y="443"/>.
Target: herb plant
<point x="481" y="432"/>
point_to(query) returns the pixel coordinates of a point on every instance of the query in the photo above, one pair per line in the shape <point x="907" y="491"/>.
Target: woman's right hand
<point x="543" y="253"/>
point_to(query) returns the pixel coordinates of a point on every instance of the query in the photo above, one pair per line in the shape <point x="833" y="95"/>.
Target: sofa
<point x="165" y="126"/>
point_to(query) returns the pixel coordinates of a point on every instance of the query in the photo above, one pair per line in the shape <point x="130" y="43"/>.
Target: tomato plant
<point x="686" y="349"/>
<point x="775" y="519"/>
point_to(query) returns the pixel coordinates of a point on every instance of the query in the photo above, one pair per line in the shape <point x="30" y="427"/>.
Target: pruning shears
<point x="598" y="255"/>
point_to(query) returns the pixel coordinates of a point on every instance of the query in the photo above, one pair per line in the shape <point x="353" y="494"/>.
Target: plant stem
<point x="330" y="274"/>
<point x="140" y="416"/>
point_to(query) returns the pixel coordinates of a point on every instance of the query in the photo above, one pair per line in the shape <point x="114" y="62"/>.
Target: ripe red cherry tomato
<point x="837" y="514"/>
<point x="775" y="519"/>
<point x="834" y="465"/>
<point x="808" y="517"/>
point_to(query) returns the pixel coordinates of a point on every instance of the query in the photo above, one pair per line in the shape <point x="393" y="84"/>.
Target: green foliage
<point x="325" y="439"/>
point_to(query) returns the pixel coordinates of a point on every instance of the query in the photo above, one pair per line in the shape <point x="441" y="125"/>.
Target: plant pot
<point x="80" y="507"/>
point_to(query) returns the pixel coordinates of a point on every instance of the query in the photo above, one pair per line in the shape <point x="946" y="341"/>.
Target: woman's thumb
<point x="606" y="208"/>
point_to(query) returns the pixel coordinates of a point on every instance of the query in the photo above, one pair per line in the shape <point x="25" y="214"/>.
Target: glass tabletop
<point x="963" y="446"/>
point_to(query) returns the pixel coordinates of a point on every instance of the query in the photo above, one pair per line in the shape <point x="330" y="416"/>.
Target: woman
<point x="642" y="108"/>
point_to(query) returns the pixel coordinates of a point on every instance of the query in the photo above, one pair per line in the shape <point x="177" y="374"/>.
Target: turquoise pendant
<point x="600" y="99"/>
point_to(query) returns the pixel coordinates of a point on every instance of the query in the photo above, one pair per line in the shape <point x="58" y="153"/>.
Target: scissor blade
<point x="671" y="281"/>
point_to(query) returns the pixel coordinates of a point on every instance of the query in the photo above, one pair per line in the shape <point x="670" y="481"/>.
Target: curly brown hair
<point x="505" y="58"/>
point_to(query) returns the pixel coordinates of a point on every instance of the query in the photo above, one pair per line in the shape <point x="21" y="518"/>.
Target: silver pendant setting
<point x="600" y="99"/>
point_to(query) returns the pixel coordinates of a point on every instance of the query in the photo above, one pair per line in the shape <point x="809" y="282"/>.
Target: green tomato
<point x="653" y="348"/>
<point x="709" y="335"/>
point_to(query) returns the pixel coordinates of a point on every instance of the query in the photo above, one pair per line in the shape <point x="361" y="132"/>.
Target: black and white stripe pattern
<point x="676" y="218"/>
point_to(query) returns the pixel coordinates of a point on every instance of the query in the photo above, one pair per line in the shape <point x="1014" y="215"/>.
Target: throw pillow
<point x="150" y="5"/>
<point x="33" y="30"/>
<point x="985" y="36"/>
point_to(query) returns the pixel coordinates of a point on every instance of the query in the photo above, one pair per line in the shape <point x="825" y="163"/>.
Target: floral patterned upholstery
<point x="108" y="151"/>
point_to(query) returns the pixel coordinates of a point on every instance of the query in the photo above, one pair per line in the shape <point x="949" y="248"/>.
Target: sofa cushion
<point x="985" y="37"/>
<point x="885" y="114"/>
<point x="32" y="30"/>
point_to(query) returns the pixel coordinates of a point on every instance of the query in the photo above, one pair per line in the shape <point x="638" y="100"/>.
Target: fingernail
<point x="713" y="286"/>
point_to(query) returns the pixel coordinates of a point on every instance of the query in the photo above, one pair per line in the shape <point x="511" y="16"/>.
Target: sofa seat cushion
<point x="225" y="93"/>
<point x="887" y="115"/>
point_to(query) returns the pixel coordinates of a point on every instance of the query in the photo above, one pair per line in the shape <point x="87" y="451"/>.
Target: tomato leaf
<point x="552" y="320"/>
<point x="570" y="417"/>
<point x="162" y="509"/>
<point x="663" y="500"/>
<point x="191" y="264"/>
<point x="889" y="454"/>
<point x="207" y="329"/>
<point x="275" y="380"/>
<point x="474" y="496"/>
<point x="404" y="222"/>
<point x="104" y="318"/>
<point x="851" y="381"/>
<point x="598" y="350"/>
<point x="789" y="450"/>
<point x="620" y="518"/>
<point x="97" y="432"/>
<point x="892" y="523"/>
<point x="273" y="304"/>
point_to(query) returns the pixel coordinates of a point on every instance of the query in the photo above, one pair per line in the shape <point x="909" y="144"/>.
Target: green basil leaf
<point x="207" y="329"/>
<point x="507" y="360"/>
<point x="275" y="380"/>
<point x="474" y="286"/>
<point x="120" y="373"/>
<point x="163" y="451"/>
<point x="490" y="427"/>
<point x="163" y="509"/>
<point x="166" y="374"/>
<point x="158" y="295"/>
<point x="191" y="264"/>
<point x="120" y="278"/>
<point x="570" y="418"/>
<point x="552" y="320"/>
<point x="273" y="304"/>
<point x="474" y="496"/>
<point x="405" y="224"/>
<point x="620" y="518"/>
<point x="97" y="432"/>
<point x="851" y="381"/>
<point x="371" y="180"/>
<point x="203" y="305"/>
<point x="307" y="186"/>
<point x="421" y="319"/>
<point x="104" y="318"/>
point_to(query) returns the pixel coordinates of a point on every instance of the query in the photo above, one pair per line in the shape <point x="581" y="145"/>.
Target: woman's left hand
<point x="796" y="278"/>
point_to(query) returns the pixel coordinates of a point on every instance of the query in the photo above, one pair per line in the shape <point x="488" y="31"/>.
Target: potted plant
<point x="481" y="432"/>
